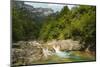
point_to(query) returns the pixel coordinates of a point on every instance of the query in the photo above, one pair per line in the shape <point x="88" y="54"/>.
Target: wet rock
<point x="32" y="51"/>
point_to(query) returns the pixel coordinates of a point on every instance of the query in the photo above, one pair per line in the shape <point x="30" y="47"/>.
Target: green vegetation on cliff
<point x="78" y="23"/>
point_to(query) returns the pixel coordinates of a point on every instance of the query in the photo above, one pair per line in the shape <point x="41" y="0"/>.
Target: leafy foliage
<point x="78" y="23"/>
<point x="24" y="27"/>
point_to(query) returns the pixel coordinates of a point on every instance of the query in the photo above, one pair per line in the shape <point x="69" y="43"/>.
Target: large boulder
<point x="27" y="53"/>
<point x="65" y="44"/>
<point x="32" y="51"/>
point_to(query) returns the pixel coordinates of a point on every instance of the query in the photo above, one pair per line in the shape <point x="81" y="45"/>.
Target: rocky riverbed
<point x="55" y="51"/>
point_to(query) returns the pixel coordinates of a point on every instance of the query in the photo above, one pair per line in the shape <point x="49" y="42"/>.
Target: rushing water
<point x="61" y="54"/>
<point x="40" y="54"/>
<point x="71" y="56"/>
<point x="67" y="56"/>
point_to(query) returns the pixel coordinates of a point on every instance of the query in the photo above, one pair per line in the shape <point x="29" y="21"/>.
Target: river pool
<point x="71" y="56"/>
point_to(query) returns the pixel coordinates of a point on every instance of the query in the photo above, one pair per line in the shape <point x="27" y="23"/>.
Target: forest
<point x="75" y="24"/>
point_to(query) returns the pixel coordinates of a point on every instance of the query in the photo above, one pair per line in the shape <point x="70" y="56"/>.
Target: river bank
<point x="33" y="52"/>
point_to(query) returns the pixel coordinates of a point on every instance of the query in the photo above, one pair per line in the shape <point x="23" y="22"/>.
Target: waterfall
<point x="61" y="53"/>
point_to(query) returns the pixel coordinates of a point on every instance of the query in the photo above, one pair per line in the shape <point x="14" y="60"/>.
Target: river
<point x="35" y="53"/>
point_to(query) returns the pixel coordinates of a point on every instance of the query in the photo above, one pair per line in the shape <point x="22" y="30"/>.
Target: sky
<point x="55" y="7"/>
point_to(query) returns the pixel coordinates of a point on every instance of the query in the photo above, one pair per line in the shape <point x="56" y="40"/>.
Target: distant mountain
<point x="43" y="11"/>
<point x="39" y="11"/>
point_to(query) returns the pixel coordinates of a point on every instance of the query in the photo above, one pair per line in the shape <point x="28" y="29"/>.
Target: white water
<point x="57" y="52"/>
<point x="60" y="53"/>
